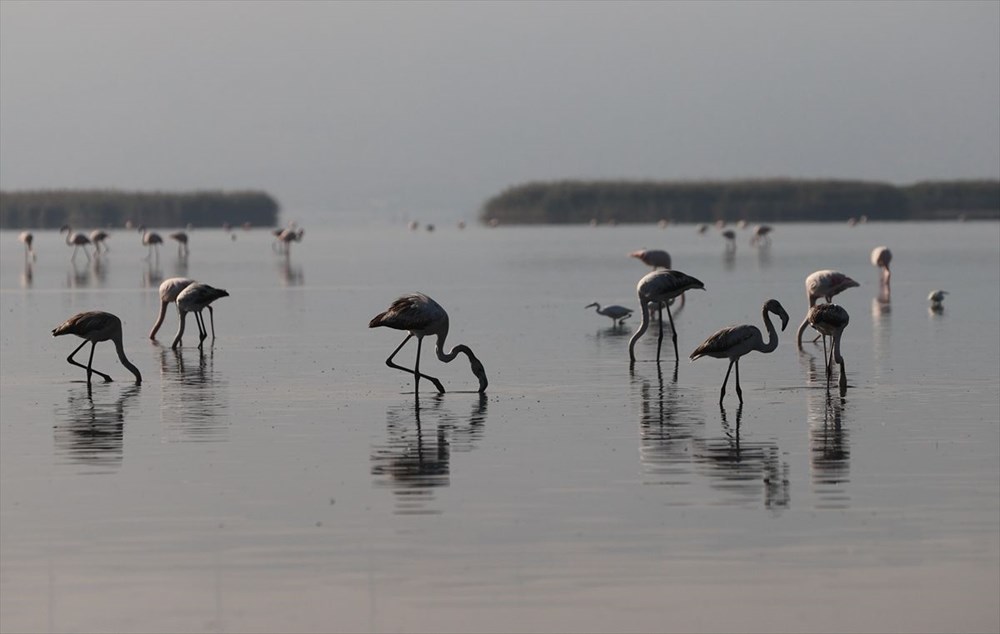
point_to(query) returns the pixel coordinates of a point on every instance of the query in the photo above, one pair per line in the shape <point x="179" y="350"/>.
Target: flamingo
<point x="936" y="298"/>
<point x="182" y="243"/>
<point x="27" y="238"/>
<point x="881" y="257"/>
<point x="98" y="236"/>
<point x="76" y="240"/>
<point x="730" y="237"/>
<point x="286" y="237"/>
<point x="656" y="258"/>
<point x="169" y="290"/>
<point x="825" y="283"/>
<point x="830" y="320"/>
<point x="152" y="240"/>
<point x="735" y="341"/>
<point x="660" y="287"/>
<point x="617" y="313"/>
<point x="761" y="235"/>
<point x="420" y="316"/>
<point x="96" y="326"/>
<point x="193" y="299"/>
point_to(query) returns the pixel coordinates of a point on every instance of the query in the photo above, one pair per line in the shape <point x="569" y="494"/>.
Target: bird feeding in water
<point x="617" y="313"/>
<point x="169" y="290"/>
<point x="825" y="283"/>
<point x="830" y="320"/>
<point x="656" y="258"/>
<point x="193" y="299"/>
<point x="735" y="341"/>
<point x="936" y="298"/>
<point x="881" y="257"/>
<point x="420" y="316"/>
<point x="660" y="287"/>
<point x="182" y="242"/>
<point x="94" y="327"/>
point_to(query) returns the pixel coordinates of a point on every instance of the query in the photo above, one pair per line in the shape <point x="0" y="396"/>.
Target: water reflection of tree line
<point x="90" y="431"/>
<point x="416" y="457"/>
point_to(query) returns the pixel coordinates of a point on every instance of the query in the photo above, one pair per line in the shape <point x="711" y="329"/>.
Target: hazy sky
<point x="433" y="107"/>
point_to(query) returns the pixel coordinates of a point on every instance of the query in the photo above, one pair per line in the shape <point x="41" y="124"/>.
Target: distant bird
<point x="735" y="341"/>
<point x="881" y="257"/>
<point x="660" y="287"/>
<point x="936" y="298"/>
<point x="76" y="240"/>
<point x="830" y="320"/>
<point x="182" y="243"/>
<point x="169" y="290"/>
<point x="98" y="236"/>
<point x="702" y="228"/>
<point x="287" y="237"/>
<point x="825" y="283"/>
<point x="761" y="235"/>
<point x="27" y="238"/>
<point x="193" y="299"/>
<point x="617" y="313"/>
<point x="96" y="326"/>
<point x="152" y="240"/>
<point x="421" y="316"/>
<point x="656" y="258"/>
<point x="730" y="237"/>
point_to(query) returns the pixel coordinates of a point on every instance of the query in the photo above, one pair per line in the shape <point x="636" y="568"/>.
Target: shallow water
<point x="286" y="479"/>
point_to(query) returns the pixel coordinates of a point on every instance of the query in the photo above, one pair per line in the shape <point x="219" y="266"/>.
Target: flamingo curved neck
<point x="644" y="306"/>
<point x="159" y="319"/>
<point x="772" y="334"/>
<point x="120" y="349"/>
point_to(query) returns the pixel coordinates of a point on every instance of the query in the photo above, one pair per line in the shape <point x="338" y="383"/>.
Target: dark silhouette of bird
<point x="660" y="287"/>
<point x="96" y="326"/>
<point x="194" y="299"/>
<point x="830" y="320"/>
<point x="822" y="284"/>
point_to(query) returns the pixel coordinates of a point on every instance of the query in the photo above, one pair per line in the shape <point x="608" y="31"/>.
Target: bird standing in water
<point x="193" y="299"/>
<point x="182" y="243"/>
<point x="660" y="287"/>
<point x="169" y="290"/>
<point x="617" y="313"/>
<point x="825" y="283"/>
<point x="420" y="316"/>
<point x="735" y="341"/>
<point x="656" y="258"/>
<point x="27" y="238"/>
<point x="96" y="326"/>
<point x="152" y="240"/>
<point x="830" y="320"/>
<point x="76" y="240"/>
<point x="98" y="236"/>
<point x="881" y="257"/>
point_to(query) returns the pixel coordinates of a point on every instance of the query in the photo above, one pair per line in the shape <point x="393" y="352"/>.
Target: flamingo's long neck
<point x="69" y="234"/>
<point x="125" y="362"/>
<point x="644" y="306"/>
<point x="772" y="334"/>
<point x="836" y="348"/>
<point x="159" y="319"/>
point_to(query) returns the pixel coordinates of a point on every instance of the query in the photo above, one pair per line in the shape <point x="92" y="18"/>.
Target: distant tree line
<point x="775" y="200"/>
<point x="47" y="209"/>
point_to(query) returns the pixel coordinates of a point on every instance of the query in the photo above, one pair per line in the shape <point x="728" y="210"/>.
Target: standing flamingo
<point x="735" y="341"/>
<point x="660" y="287"/>
<point x="617" y="313"/>
<point x="76" y="240"/>
<point x="420" y="316"/>
<point x="825" y="284"/>
<point x="169" y="290"/>
<point x="881" y="257"/>
<point x="656" y="258"/>
<point x="287" y="237"/>
<point x="830" y="320"/>
<point x="96" y="326"/>
<point x="98" y="236"/>
<point x="730" y="237"/>
<point x="152" y="240"/>
<point x="761" y="235"/>
<point x="182" y="243"/>
<point x="193" y="299"/>
<point x="936" y="298"/>
<point x="27" y="238"/>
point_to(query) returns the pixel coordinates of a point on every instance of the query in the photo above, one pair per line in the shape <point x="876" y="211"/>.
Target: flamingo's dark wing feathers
<point x="409" y="312"/>
<point x="82" y="324"/>
<point x="723" y="340"/>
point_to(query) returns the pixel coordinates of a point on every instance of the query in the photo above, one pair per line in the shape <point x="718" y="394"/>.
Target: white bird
<point x="761" y="235"/>
<point x="830" y="320"/>
<point x="936" y="298"/>
<point x="656" y="258"/>
<point x="27" y="238"/>
<point x="193" y="299"/>
<point x="182" y="243"/>
<point x="96" y="326"/>
<point x="881" y="257"/>
<point x="735" y="341"/>
<point x="76" y="240"/>
<point x="660" y="287"/>
<point x="98" y="236"/>
<point x="169" y="290"/>
<point x="152" y="240"/>
<point x="617" y="313"/>
<point x="822" y="284"/>
<point x="420" y="316"/>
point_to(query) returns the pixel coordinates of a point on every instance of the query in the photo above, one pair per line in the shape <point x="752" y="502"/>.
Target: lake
<point x="285" y="479"/>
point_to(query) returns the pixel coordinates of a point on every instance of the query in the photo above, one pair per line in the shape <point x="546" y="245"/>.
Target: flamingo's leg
<point x="673" y="332"/>
<point x="388" y="362"/>
<point x="659" y="339"/>
<point x="202" y="331"/>
<point x="739" y="391"/>
<point x="85" y="251"/>
<point x="211" y="316"/>
<point x="722" y="392"/>
<point x="180" y="329"/>
<point x="88" y="366"/>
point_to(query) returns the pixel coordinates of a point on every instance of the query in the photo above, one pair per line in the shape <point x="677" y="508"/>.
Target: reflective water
<point x="284" y="479"/>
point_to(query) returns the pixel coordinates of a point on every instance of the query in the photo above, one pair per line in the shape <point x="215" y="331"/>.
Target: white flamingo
<point x="27" y="238"/>
<point x="421" y="316"/>
<point x="617" y="313"/>
<point x="830" y="320"/>
<point x="98" y="236"/>
<point x="656" y="258"/>
<point x="881" y="257"/>
<point x="735" y="341"/>
<point x="169" y="290"/>
<point x="152" y="240"/>
<point x="822" y="284"/>
<point x="96" y="326"/>
<point x="182" y="243"/>
<point x="660" y="287"/>
<point x="193" y="299"/>
<point x="76" y="240"/>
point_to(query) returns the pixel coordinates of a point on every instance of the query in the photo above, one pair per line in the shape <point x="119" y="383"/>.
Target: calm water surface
<point x="286" y="480"/>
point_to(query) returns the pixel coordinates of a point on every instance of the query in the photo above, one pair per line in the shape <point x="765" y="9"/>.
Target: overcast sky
<point x="417" y="107"/>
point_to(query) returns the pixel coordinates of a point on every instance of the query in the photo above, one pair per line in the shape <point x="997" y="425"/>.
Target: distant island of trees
<point x="50" y="209"/>
<point x="771" y="200"/>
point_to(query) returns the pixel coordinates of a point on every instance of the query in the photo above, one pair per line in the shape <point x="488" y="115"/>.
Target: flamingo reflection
<point x="92" y="432"/>
<point x="194" y="396"/>
<point x="830" y="450"/>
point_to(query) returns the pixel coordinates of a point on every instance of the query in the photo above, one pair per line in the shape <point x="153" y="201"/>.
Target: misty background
<point x="428" y="109"/>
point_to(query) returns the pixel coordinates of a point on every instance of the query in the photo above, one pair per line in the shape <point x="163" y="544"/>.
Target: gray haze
<point x="432" y="108"/>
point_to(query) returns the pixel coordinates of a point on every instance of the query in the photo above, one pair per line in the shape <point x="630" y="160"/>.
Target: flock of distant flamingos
<point x="421" y="316"/>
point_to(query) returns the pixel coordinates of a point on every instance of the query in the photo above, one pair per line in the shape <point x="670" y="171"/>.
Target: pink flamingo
<point x="169" y="290"/>
<point x="76" y="240"/>
<point x="96" y="326"/>
<point x="825" y="283"/>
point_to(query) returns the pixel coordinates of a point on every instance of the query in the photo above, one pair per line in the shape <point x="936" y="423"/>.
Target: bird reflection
<point x="291" y="274"/>
<point x="881" y="322"/>
<point x="193" y="395"/>
<point x="181" y="265"/>
<point x="729" y="259"/>
<point x="667" y="427"/>
<point x="152" y="275"/>
<point x="78" y="275"/>
<point x="27" y="274"/>
<point x="764" y="255"/>
<point x="92" y="432"/>
<point x="416" y="457"/>
<point x="830" y="450"/>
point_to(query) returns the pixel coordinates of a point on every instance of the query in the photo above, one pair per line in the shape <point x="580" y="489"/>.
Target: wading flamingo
<point x="660" y="287"/>
<point x="96" y="326"/>
<point x="287" y="237"/>
<point x="825" y="284"/>
<point x="761" y="235"/>
<point x="656" y="258"/>
<point x="193" y="299"/>
<point x="936" y="298"/>
<point x="182" y="243"/>
<point x="830" y="320"/>
<point x="76" y="240"/>
<point x="735" y="341"/>
<point x="98" y="236"/>
<point x="881" y="257"/>
<point x="169" y="290"/>
<point x="27" y="238"/>
<point x="730" y="237"/>
<point x="420" y="316"/>
<point x="617" y="313"/>
<point x="152" y="240"/>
